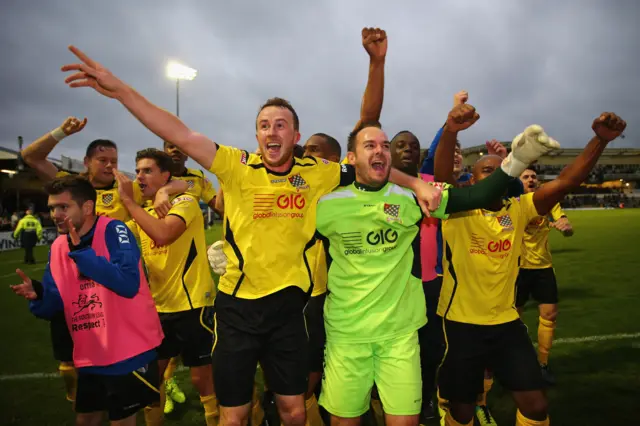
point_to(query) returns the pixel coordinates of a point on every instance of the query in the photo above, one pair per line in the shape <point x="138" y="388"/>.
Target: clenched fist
<point x="608" y="126"/>
<point x="374" y="41"/>
<point x="461" y="117"/>
<point x="73" y="125"/>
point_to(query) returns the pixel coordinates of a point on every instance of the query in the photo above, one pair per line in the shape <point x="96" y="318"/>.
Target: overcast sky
<point x="558" y="64"/>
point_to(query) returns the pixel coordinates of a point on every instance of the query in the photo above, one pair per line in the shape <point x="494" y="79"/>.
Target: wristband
<point x="58" y="134"/>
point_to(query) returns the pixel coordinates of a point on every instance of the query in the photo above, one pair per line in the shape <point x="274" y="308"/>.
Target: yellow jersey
<point x="481" y="252"/>
<point x="270" y="220"/>
<point x="199" y="186"/>
<point x="178" y="273"/>
<point x="318" y="261"/>
<point x="108" y="202"/>
<point x="535" y="250"/>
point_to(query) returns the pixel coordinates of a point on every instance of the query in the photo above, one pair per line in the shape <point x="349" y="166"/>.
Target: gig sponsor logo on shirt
<point x="378" y="240"/>
<point x="288" y="206"/>
<point x="499" y="249"/>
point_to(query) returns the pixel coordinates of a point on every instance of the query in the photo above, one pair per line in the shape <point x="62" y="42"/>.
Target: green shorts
<point x="351" y="369"/>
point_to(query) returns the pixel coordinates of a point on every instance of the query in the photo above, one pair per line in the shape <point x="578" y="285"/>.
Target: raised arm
<point x="607" y="127"/>
<point x="162" y="231"/>
<point x="374" y="41"/>
<point x="36" y="153"/>
<point x="460" y="118"/>
<point x="165" y="125"/>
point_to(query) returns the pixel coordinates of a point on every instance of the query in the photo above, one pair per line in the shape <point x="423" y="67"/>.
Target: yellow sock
<point x="313" y="412"/>
<point x="70" y="378"/>
<point x="523" y="421"/>
<point x="450" y="421"/>
<point x="154" y="414"/>
<point x="546" y="329"/>
<point x="257" y="413"/>
<point x="211" y="412"/>
<point x="171" y="368"/>
<point x="482" y="400"/>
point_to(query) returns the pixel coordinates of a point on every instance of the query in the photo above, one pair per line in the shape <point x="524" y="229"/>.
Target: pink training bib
<point x="106" y="328"/>
<point x="428" y="242"/>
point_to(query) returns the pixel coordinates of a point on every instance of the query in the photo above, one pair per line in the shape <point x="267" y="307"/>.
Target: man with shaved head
<point x="482" y="249"/>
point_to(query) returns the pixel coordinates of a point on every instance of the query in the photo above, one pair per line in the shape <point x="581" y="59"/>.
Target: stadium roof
<point x="627" y="155"/>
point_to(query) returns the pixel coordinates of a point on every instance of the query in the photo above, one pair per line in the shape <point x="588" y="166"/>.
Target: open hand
<point x="125" y="186"/>
<point x="496" y="148"/>
<point x="92" y="74"/>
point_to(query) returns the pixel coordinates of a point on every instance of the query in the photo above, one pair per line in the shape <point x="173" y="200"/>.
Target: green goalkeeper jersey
<point x="374" y="281"/>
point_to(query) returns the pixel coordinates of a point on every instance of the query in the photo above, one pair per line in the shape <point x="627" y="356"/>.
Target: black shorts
<point x="314" y="316"/>
<point x="270" y="330"/>
<point x="187" y="333"/>
<point x="121" y="395"/>
<point x="538" y="283"/>
<point x="61" y="340"/>
<point x="504" y="349"/>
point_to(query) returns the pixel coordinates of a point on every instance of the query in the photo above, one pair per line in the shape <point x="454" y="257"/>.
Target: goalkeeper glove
<point x="217" y="258"/>
<point x="526" y="148"/>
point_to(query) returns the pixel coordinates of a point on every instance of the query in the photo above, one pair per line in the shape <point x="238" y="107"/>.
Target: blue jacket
<point x="120" y="274"/>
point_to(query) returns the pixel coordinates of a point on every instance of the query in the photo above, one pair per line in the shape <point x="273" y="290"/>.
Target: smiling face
<point x="276" y="136"/>
<point x="372" y="157"/>
<point x="529" y="180"/>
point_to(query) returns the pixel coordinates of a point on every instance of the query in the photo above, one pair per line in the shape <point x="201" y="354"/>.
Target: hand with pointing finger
<point x="91" y="74"/>
<point x="26" y="288"/>
<point x="460" y="98"/>
<point x="73" y="232"/>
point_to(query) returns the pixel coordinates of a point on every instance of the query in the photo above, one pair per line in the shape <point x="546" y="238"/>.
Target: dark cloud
<point x="557" y="64"/>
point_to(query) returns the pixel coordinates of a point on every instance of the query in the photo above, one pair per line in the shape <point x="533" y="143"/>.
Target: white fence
<point x="7" y="242"/>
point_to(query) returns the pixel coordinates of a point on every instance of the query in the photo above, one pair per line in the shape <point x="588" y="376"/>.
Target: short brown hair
<point x="351" y="142"/>
<point x="79" y="187"/>
<point x="281" y="103"/>
<point x="162" y="159"/>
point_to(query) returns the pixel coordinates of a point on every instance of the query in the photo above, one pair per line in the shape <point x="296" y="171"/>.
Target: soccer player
<point x="270" y="223"/>
<point x="405" y="152"/>
<point x="174" y="252"/>
<point x="94" y="275"/>
<point x="482" y="248"/>
<point x="29" y="230"/>
<point x="201" y="188"/>
<point x="101" y="160"/>
<point x="375" y="302"/>
<point x="537" y="277"/>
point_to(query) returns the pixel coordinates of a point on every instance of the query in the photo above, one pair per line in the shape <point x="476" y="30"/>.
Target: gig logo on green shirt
<point x="354" y="243"/>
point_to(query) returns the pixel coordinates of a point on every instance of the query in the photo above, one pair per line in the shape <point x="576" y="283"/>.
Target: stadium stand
<point x="613" y="183"/>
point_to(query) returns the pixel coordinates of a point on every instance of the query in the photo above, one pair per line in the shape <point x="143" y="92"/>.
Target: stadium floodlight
<point x="179" y="72"/>
<point x="9" y="172"/>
